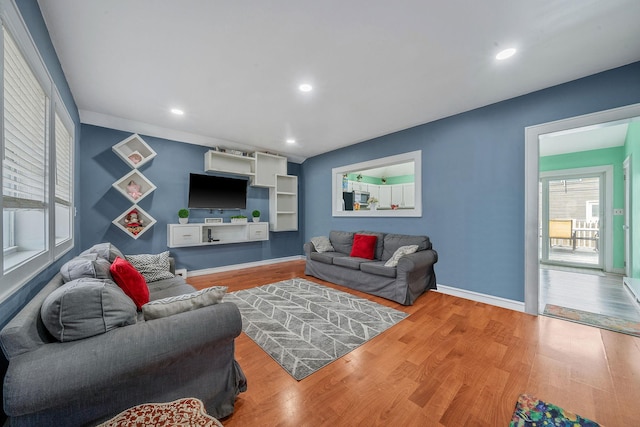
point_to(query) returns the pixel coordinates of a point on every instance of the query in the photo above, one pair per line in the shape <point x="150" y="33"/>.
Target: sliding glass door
<point x="571" y="218"/>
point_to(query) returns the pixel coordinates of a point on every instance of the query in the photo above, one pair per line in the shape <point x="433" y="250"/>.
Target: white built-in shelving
<point x="283" y="204"/>
<point x="134" y="186"/>
<point x="264" y="170"/>
<point x="202" y="234"/>
<point x="137" y="229"/>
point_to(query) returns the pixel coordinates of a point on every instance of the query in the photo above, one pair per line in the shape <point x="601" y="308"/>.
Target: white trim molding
<point x="483" y="298"/>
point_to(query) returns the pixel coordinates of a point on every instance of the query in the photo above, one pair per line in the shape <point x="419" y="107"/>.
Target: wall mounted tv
<point x="217" y="192"/>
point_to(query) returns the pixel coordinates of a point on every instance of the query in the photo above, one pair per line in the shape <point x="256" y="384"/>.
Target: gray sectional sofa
<point x="411" y="277"/>
<point x="86" y="381"/>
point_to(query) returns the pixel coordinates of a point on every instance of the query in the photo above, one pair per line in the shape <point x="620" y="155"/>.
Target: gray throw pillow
<point x="402" y="250"/>
<point x="86" y="307"/>
<point x="104" y="250"/>
<point x="88" y="265"/>
<point x="152" y="267"/>
<point x="322" y="244"/>
<point x="172" y="305"/>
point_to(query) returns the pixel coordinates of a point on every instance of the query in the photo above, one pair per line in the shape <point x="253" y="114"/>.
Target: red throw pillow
<point x="364" y="246"/>
<point x="130" y="281"/>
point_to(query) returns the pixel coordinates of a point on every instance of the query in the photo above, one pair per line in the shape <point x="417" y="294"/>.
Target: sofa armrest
<point x="123" y="355"/>
<point x="417" y="261"/>
<point x="308" y="248"/>
<point x="172" y="265"/>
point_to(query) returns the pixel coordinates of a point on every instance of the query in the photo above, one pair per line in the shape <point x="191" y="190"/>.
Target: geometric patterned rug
<point x="304" y="326"/>
<point x="614" y="324"/>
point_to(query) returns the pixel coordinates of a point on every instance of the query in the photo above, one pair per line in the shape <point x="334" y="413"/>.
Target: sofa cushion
<point x="88" y="265"/>
<point x="379" y="242"/>
<point x="152" y="267"/>
<point x="130" y="281"/>
<point x="341" y="241"/>
<point x="378" y="268"/>
<point x="169" y="288"/>
<point x="322" y="244"/>
<point x="364" y="246"/>
<point x="401" y="251"/>
<point x="327" y="257"/>
<point x="181" y="303"/>
<point x="86" y="307"/>
<point x="350" y="262"/>
<point x="393" y="241"/>
<point x="104" y="250"/>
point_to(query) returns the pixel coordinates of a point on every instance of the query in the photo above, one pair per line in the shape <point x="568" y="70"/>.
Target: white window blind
<point x="25" y="132"/>
<point x="63" y="163"/>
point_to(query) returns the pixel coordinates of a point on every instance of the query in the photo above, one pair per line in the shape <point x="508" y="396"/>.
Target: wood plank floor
<point x="452" y="362"/>
<point x="592" y="291"/>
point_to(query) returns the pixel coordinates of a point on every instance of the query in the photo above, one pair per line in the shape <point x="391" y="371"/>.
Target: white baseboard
<point x="484" y="298"/>
<point x="245" y="265"/>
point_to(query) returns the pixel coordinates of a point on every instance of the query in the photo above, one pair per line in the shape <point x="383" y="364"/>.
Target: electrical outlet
<point x="618" y="211"/>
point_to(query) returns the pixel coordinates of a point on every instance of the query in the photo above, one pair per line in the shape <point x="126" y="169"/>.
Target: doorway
<point x="532" y="194"/>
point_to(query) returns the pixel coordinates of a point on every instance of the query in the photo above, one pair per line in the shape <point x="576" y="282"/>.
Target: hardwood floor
<point x="452" y="362"/>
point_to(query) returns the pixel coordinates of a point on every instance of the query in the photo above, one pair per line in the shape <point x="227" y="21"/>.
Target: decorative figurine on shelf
<point x="135" y="158"/>
<point x="133" y="222"/>
<point x="134" y="190"/>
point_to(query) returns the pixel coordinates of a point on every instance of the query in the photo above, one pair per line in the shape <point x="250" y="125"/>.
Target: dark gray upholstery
<point x="413" y="275"/>
<point x="341" y="241"/>
<point x="88" y="381"/>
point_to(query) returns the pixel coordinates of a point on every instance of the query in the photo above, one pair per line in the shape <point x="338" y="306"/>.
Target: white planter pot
<point x="183" y="220"/>
<point x="256" y="219"/>
<point x="238" y="220"/>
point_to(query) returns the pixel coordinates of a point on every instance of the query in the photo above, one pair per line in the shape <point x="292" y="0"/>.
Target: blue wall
<point x="473" y="180"/>
<point x="169" y="171"/>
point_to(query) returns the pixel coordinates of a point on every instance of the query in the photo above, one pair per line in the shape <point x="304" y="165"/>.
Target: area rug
<point x="187" y="412"/>
<point x="593" y="319"/>
<point x="531" y="411"/>
<point x="304" y="326"/>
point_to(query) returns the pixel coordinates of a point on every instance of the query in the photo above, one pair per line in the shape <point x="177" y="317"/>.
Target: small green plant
<point x="255" y="214"/>
<point x="183" y="213"/>
<point x="238" y="216"/>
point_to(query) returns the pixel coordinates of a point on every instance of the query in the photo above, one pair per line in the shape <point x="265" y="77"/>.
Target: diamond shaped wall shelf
<point x="132" y="225"/>
<point x="134" y="186"/>
<point x="134" y="151"/>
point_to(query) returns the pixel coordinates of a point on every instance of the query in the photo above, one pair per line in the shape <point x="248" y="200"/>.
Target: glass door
<point x="571" y="218"/>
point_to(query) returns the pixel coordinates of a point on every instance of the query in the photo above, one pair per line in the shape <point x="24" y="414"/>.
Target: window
<point x="37" y="160"/>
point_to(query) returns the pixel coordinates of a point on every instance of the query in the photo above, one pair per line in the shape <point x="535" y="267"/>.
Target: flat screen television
<point x="217" y="192"/>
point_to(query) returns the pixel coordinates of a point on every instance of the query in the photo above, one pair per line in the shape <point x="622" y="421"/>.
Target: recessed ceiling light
<point x="507" y="53"/>
<point x="291" y="141"/>
<point x="177" y="111"/>
<point x="305" y="87"/>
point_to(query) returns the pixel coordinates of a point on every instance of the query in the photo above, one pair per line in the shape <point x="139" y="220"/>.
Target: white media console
<point x="199" y="234"/>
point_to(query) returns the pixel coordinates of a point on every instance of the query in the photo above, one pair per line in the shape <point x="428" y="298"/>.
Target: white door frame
<point x="626" y="168"/>
<point x="531" y="177"/>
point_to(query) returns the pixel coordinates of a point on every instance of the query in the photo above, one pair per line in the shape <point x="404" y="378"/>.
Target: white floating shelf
<point x="126" y="186"/>
<point x="134" y="151"/>
<point x="135" y="232"/>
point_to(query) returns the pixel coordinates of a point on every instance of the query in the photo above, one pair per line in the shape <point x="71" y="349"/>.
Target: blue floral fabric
<point x="533" y="412"/>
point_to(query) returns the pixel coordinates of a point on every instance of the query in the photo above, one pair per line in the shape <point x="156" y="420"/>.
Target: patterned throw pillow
<point x="152" y="267"/>
<point x="402" y="250"/>
<point x="322" y="244"/>
<point x="172" y="305"/>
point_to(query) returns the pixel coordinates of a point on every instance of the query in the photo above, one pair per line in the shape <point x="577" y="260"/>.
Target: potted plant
<point x="238" y="218"/>
<point x="183" y="216"/>
<point x="256" y="215"/>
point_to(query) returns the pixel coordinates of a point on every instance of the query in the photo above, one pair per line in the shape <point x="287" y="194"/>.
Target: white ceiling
<point x="376" y="66"/>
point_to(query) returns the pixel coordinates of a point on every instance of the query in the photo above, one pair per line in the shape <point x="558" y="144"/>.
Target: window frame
<point x="16" y="278"/>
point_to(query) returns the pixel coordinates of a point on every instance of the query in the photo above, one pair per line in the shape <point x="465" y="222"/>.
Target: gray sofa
<point x="413" y="275"/>
<point x="87" y="381"/>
